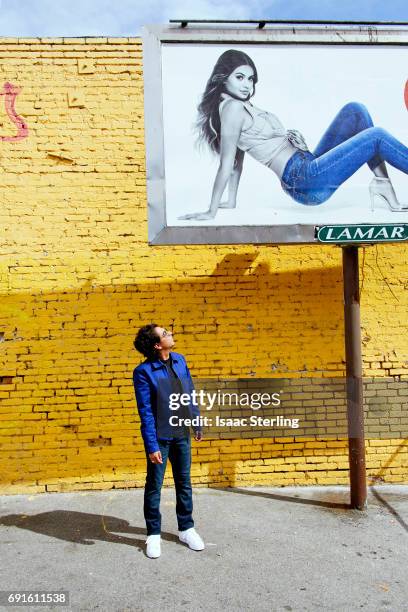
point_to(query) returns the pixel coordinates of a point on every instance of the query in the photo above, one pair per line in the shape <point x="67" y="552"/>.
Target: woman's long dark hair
<point x="208" y="122"/>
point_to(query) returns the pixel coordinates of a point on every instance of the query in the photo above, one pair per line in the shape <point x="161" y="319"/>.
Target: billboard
<point x="266" y="136"/>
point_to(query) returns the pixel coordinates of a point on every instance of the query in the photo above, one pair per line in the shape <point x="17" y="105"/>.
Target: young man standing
<point x="161" y="374"/>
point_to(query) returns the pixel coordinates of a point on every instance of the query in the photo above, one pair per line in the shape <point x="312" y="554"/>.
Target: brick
<point x="77" y="278"/>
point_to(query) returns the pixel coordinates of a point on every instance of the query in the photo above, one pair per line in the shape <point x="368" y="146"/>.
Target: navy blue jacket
<point x="152" y="389"/>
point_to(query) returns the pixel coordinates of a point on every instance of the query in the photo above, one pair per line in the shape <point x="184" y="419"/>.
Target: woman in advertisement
<point x="231" y="125"/>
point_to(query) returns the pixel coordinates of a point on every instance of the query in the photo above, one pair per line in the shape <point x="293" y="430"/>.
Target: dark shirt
<point x="179" y="431"/>
<point x="176" y="386"/>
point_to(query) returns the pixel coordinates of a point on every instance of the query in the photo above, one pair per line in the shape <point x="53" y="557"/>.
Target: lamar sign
<point x="362" y="233"/>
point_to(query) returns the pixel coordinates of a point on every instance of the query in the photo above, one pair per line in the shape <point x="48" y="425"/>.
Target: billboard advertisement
<point x="265" y="137"/>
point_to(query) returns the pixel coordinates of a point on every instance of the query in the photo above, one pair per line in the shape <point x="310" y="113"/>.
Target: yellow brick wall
<point x="77" y="279"/>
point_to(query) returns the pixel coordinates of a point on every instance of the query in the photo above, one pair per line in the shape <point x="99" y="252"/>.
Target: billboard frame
<point x="159" y="233"/>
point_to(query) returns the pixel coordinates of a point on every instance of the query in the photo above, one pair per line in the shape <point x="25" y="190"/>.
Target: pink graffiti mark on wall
<point x="10" y="92"/>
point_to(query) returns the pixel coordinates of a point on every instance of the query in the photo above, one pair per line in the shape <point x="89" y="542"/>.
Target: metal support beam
<point x="262" y="22"/>
<point x="355" y="409"/>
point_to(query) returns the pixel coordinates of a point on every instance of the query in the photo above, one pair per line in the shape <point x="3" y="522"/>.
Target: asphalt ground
<point x="283" y="549"/>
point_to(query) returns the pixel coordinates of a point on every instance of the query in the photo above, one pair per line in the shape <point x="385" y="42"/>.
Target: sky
<point x="22" y="18"/>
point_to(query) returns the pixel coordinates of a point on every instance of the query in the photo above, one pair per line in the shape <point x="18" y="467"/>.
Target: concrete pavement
<point x="283" y="549"/>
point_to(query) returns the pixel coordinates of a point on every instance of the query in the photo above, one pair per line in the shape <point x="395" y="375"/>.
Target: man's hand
<point x="198" y="436"/>
<point x="156" y="457"/>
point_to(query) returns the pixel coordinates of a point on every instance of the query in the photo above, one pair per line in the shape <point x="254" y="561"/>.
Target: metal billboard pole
<point x="355" y="409"/>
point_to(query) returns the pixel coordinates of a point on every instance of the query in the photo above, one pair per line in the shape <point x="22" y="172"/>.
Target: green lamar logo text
<point x="363" y="233"/>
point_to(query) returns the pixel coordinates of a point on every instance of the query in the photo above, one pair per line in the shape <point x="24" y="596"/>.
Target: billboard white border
<point x="153" y="37"/>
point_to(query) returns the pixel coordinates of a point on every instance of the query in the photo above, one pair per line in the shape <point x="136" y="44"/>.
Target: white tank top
<point x="266" y="140"/>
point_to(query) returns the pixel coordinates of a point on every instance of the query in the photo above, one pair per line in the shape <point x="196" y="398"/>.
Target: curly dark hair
<point x="145" y="340"/>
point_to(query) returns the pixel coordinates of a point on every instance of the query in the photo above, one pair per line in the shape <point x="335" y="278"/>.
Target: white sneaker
<point x="191" y="538"/>
<point x="153" y="546"/>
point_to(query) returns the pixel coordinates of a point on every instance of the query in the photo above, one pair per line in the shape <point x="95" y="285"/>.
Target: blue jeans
<point x="349" y="143"/>
<point x="178" y="450"/>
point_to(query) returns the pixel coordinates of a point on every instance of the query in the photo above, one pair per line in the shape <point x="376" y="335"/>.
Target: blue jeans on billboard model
<point x="178" y="451"/>
<point x="350" y="141"/>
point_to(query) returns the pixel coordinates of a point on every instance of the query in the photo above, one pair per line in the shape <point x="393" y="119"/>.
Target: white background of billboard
<point x="305" y="86"/>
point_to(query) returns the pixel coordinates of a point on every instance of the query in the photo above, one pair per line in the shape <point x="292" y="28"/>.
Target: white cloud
<point x="125" y="17"/>
<point x="104" y="17"/>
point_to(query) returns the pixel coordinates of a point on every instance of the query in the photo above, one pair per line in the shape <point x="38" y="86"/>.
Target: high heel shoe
<point x="382" y="189"/>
